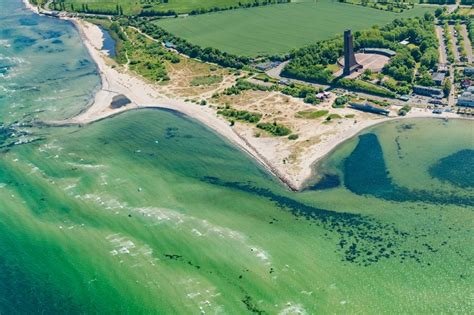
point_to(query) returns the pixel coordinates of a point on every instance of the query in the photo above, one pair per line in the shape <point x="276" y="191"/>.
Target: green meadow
<point x="277" y="29"/>
<point x="131" y="7"/>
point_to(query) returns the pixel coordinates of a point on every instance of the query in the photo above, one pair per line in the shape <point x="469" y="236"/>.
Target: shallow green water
<point x="150" y="212"/>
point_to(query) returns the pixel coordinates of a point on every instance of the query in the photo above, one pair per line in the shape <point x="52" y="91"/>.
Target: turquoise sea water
<point x="151" y="212"/>
<point x="45" y="71"/>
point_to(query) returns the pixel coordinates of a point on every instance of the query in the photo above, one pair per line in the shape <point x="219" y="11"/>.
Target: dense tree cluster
<point x="208" y="54"/>
<point x="470" y="29"/>
<point x="310" y="63"/>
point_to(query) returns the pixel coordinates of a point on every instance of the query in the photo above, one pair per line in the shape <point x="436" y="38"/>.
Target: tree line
<point x="207" y="54"/>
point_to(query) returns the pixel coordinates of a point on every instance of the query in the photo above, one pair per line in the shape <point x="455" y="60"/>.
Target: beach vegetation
<point x="275" y="129"/>
<point x="241" y="115"/>
<point x="243" y="85"/>
<point x="206" y="80"/>
<point x="404" y="110"/>
<point x="311" y="114"/>
<point x="340" y="101"/>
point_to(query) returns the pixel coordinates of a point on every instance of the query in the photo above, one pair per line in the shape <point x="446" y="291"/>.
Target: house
<point x="469" y="70"/>
<point x="169" y="45"/>
<point x="438" y="78"/>
<point x="466" y="100"/>
<point x="465" y="83"/>
<point x="442" y="67"/>
<point x="267" y="65"/>
<point x="369" y="108"/>
<point x="379" y="51"/>
<point x="427" y="91"/>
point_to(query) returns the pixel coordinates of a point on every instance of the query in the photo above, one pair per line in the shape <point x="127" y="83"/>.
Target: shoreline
<point x="144" y="95"/>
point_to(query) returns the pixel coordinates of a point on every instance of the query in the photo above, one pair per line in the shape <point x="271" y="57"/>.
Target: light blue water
<point x="45" y="70"/>
<point x="109" y="43"/>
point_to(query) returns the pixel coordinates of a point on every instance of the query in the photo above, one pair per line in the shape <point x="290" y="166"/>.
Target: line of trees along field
<point x="310" y="63"/>
<point x="208" y="54"/>
<point x="239" y="5"/>
<point x="160" y="8"/>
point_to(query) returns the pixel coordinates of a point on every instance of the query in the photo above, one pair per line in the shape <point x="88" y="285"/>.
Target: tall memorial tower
<point x="350" y="62"/>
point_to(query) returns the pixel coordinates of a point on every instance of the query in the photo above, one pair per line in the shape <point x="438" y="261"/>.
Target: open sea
<point x="150" y="212"/>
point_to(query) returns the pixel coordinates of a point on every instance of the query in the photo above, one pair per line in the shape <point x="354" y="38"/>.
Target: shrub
<point x="274" y="129"/>
<point x="404" y="110"/>
<point x="340" y="101"/>
<point x="293" y="137"/>
<point x="309" y="114"/>
<point x="241" y="115"/>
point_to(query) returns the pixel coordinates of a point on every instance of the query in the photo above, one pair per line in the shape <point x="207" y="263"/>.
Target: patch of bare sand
<point x="316" y="137"/>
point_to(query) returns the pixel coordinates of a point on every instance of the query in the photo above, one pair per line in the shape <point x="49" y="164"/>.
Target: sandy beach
<point x="291" y="161"/>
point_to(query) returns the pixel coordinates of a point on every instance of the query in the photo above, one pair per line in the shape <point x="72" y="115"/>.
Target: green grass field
<point x="278" y="29"/>
<point x="135" y="6"/>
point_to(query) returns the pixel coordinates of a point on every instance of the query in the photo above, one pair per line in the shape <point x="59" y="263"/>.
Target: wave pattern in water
<point x="33" y="51"/>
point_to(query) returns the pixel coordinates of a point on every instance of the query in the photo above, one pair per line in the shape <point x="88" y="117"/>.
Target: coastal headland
<point x="291" y="160"/>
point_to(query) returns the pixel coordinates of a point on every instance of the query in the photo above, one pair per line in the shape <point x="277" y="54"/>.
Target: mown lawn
<point x="279" y="28"/>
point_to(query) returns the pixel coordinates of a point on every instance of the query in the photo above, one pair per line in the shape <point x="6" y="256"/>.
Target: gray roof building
<point x="438" y="77"/>
<point x="427" y="91"/>
<point x="469" y="70"/>
<point x="466" y="100"/>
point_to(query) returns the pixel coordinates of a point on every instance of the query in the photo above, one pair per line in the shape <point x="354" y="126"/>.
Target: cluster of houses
<point x="466" y="99"/>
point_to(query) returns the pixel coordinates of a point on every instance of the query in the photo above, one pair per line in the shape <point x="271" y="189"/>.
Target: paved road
<point x="441" y="47"/>
<point x="452" y="93"/>
<point x="275" y="72"/>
